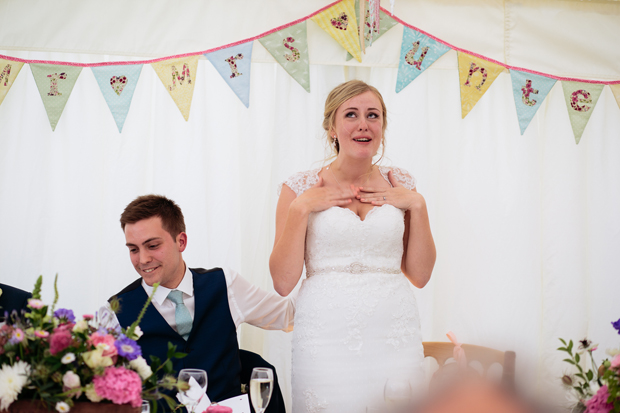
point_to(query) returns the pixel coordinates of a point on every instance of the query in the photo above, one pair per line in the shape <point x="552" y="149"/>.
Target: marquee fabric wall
<point x="527" y="227"/>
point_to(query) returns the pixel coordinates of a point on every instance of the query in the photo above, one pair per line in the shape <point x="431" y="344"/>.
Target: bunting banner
<point x="55" y="84"/>
<point x="475" y="77"/>
<point x="417" y="53"/>
<point x="289" y="47"/>
<point x="529" y="91"/>
<point x="615" y="89"/>
<point x="179" y="78"/>
<point x="339" y="21"/>
<point x="580" y="100"/>
<point x="117" y="84"/>
<point x="8" y="72"/>
<point x="233" y="64"/>
<point x="378" y="28"/>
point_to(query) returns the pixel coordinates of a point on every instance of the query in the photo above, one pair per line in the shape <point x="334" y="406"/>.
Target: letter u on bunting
<point x="417" y="53"/>
<point x="580" y="100"/>
<point x="8" y="72"/>
<point x="117" y="84"/>
<point x="475" y="76"/>
<point x="378" y="28"/>
<point x="529" y="91"/>
<point x="55" y="84"/>
<point x="233" y="64"/>
<point x="289" y="47"/>
<point x="339" y="21"/>
<point x="179" y="77"/>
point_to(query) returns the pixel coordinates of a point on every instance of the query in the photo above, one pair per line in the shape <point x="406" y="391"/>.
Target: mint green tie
<point x="181" y="314"/>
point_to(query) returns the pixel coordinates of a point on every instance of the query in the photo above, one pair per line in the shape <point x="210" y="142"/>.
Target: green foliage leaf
<point x="570" y="346"/>
<point x="563" y="342"/>
<point x="577" y="358"/>
<point x="179" y="355"/>
<point x="569" y="361"/>
<point x="589" y="375"/>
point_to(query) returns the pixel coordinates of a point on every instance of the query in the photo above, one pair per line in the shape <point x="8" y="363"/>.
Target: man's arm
<point x="253" y="305"/>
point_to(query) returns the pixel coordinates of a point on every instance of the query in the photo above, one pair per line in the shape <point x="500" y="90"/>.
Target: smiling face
<point x="155" y="255"/>
<point x="358" y="126"/>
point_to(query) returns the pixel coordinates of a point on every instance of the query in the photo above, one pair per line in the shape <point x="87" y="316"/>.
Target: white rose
<point x="137" y="332"/>
<point x="80" y="326"/>
<point x="62" y="407"/>
<point x="92" y="395"/>
<point x="141" y="366"/>
<point x="71" y="380"/>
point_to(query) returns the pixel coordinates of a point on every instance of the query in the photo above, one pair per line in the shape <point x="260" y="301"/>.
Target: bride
<point x="363" y="233"/>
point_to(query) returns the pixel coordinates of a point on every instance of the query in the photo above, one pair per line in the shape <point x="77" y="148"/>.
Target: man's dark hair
<point x="147" y="206"/>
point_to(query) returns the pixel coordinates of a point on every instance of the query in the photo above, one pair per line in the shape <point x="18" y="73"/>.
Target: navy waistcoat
<point x="212" y="344"/>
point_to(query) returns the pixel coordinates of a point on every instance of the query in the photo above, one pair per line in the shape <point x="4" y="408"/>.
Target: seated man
<point x="12" y="299"/>
<point x="195" y="309"/>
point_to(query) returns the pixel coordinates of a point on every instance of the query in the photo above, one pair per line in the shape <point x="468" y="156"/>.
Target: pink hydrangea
<point x="120" y="385"/>
<point x="106" y="339"/>
<point x="61" y="338"/>
<point x="598" y="402"/>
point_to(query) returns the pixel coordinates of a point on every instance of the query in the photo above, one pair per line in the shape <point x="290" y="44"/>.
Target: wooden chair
<point x="441" y="351"/>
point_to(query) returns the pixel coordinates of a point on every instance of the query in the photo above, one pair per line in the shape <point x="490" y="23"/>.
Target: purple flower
<point x="127" y="347"/>
<point x="616" y="325"/>
<point x="64" y="315"/>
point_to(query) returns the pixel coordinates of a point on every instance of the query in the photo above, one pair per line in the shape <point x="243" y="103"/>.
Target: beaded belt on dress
<point x="353" y="268"/>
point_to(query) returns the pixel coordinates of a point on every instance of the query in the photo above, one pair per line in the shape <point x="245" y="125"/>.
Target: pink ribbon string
<point x="458" y="353"/>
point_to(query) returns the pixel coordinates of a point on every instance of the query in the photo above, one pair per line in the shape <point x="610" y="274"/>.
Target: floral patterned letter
<point x="291" y="57"/>
<point x="473" y="69"/>
<point x="410" y="56"/>
<point x="180" y="78"/>
<point x="233" y="65"/>
<point x="54" y="83"/>
<point x="575" y="100"/>
<point x="527" y="89"/>
<point x="5" y="74"/>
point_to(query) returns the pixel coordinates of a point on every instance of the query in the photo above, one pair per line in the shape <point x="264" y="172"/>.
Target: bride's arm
<point x="287" y="257"/>
<point x="419" y="248"/>
<point x="286" y="262"/>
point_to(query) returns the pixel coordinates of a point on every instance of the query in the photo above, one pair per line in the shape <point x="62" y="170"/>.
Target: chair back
<point x="442" y="351"/>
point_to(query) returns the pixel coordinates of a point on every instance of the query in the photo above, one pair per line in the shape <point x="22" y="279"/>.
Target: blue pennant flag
<point x="233" y="64"/>
<point x="529" y="91"/>
<point x="417" y="53"/>
<point x="117" y="83"/>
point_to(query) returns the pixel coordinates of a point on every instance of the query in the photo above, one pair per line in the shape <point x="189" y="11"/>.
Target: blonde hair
<point x="337" y="97"/>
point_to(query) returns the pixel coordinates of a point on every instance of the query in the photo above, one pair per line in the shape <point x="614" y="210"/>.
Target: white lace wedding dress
<point x="356" y="319"/>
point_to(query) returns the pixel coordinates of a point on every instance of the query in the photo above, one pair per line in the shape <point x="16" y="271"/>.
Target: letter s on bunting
<point x="410" y="56"/>
<point x="585" y="101"/>
<point x="296" y="55"/>
<point x="527" y="90"/>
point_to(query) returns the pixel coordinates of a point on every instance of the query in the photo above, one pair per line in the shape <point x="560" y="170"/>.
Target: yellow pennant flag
<point x="8" y="72"/>
<point x="179" y="77"/>
<point x="615" y="89"/>
<point x="339" y="21"/>
<point x="475" y="78"/>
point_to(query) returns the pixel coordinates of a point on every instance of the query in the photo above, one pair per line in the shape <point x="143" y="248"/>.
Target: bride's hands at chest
<point x="321" y="197"/>
<point x="396" y="195"/>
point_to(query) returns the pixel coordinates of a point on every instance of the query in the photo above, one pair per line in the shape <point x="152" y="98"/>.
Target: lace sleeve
<point x="301" y="181"/>
<point x="402" y="175"/>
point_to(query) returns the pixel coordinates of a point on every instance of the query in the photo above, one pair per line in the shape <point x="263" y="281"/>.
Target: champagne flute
<point x="197" y="381"/>
<point x="397" y="394"/>
<point x="261" y="387"/>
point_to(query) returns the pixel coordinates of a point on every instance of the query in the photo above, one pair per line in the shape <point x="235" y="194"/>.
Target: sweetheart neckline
<point x="371" y="211"/>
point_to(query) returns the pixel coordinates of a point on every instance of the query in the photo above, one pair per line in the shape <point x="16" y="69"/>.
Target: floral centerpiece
<point x="50" y="357"/>
<point x="596" y="389"/>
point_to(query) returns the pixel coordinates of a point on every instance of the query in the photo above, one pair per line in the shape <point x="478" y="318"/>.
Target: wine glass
<point x="261" y="387"/>
<point x="397" y="394"/>
<point x="197" y="380"/>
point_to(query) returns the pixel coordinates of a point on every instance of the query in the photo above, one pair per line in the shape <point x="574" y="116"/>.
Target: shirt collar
<point x="186" y="286"/>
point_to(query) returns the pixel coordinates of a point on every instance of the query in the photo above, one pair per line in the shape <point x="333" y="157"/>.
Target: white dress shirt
<point x="247" y="303"/>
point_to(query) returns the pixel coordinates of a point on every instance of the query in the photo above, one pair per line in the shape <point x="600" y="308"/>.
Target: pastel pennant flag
<point x="55" y="84"/>
<point x="615" y="89"/>
<point x="234" y="65"/>
<point x="475" y="77"/>
<point x="8" y="72"/>
<point x="289" y="47"/>
<point x="417" y="53"/>
<point x="529" y="91"/>
<point x="179" y="78"/>
<point x="117" y="83"/>
<point x="339" y="21"/>
<point x="384" y="24"/>
<point x="580" y="100"/>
